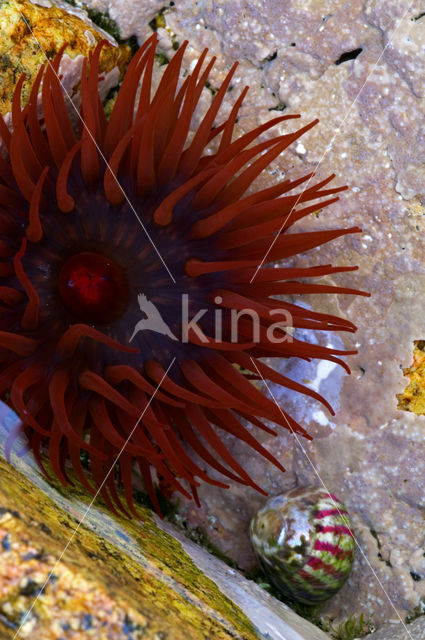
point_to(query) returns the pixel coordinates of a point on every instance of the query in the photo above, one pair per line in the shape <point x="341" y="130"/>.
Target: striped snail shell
<point x="304" y="542"/>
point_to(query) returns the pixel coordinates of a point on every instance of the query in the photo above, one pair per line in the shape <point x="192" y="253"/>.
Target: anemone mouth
<point x="93" y="287"/>
<point x="91" y="220"/>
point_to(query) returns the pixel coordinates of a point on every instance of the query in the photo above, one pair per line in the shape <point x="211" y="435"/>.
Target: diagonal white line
<point x="100" y="152"/>
<point x="329" y="147"/>
<point x="28" y="612"/>
<point x="311" y="463"/>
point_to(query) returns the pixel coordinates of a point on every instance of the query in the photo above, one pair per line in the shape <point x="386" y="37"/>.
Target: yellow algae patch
<point x="118" y="579"/>
<point x="30" y="32"/>
<point x="67" y="602"/>
<point x="413" y="397"/>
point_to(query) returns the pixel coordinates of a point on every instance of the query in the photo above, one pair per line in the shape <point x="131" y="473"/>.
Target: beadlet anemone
<point x="91" y="219"/>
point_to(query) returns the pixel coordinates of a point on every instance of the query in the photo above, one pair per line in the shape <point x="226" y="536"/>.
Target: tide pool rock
<point x="34" y="31"/>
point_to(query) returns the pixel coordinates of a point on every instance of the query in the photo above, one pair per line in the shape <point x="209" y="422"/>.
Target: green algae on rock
<point x="138" y="568"/>
<point x="304" y="543"/>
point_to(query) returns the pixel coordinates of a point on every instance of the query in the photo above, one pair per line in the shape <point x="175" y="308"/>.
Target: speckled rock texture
<point x="133" y="18"/>
<point x="415" y="630"/>
<point x="358" y="66"/>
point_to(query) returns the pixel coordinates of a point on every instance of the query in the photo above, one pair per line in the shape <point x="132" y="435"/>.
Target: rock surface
<point x="111" y="578"/>
<point x="414" y="630"/>
<point x="30" y="31"/>
<point x="358" y="66"/>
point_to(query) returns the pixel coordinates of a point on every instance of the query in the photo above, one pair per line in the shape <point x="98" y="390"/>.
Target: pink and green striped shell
<point x="304" y="542"/>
